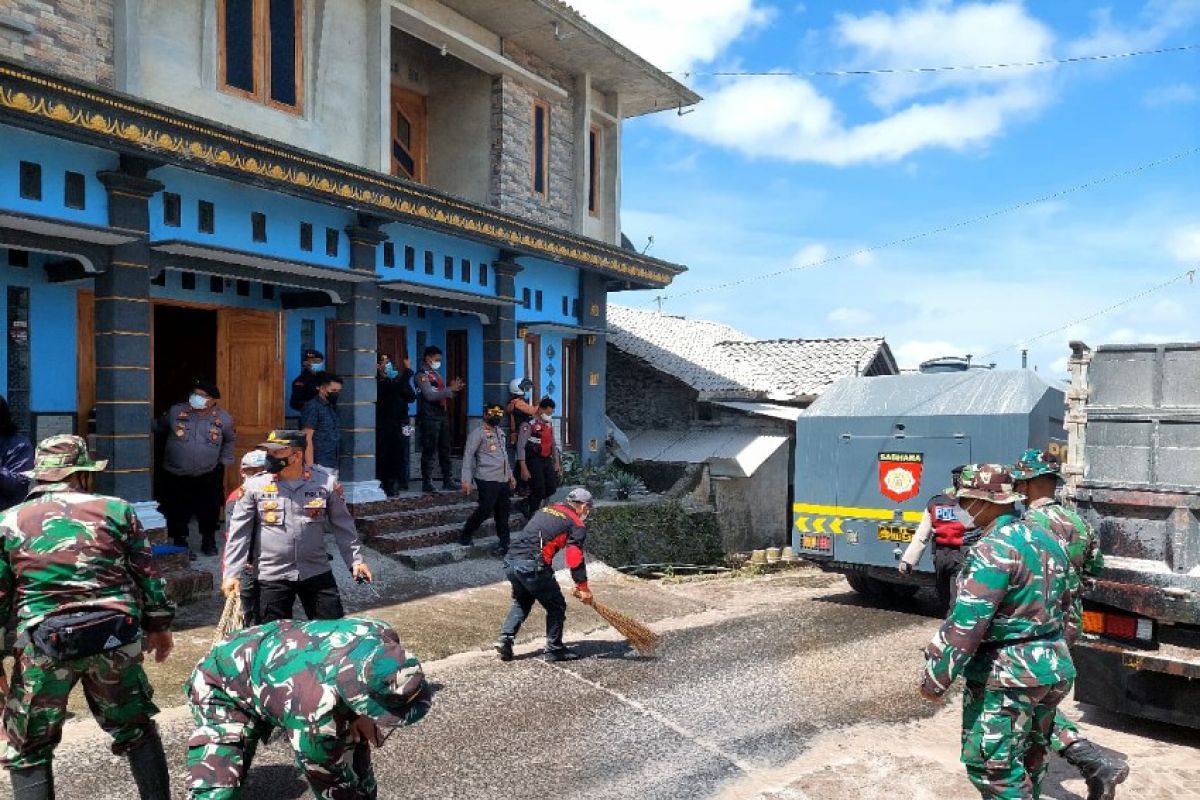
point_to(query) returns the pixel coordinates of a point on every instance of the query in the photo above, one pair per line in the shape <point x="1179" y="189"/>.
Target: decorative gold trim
<point x="271" y="164"/>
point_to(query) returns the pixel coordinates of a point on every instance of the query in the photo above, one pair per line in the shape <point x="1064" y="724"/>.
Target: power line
<point x="833" y="73"/>
<point x="1103" y="179"/>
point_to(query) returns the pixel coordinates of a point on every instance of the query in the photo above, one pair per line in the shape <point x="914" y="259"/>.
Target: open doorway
<point x="456" y="406"/>
<point x="185" y="349"/>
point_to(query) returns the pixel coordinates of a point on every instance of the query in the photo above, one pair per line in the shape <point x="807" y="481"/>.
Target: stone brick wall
<point x="640" y="397"/>
<point x="71" y="37"/>
<point x="511" y="186"/>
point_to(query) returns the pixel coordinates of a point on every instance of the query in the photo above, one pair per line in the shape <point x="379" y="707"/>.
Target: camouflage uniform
<point x="62" y="551"/>
<point x="1005" y="636"/>
<point x="311" y="679"/>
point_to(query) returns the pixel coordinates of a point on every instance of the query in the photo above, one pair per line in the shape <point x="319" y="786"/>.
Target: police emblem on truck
<point x="900" y="475"/>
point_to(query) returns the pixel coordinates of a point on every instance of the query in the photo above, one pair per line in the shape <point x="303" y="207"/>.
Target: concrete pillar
<point x="593" y="355"/>
<point x="123" y="381"/>
<point x="499" y="336"/>
<point x="357" y="341"/>
<point x="582" y="108"/>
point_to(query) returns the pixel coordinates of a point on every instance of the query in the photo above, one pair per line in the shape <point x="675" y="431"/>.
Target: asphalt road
<point x="784" y="687"/>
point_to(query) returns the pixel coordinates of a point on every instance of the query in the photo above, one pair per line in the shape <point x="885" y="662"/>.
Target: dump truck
<point x="1133" y="471"/>
<point x="872" y="451"/>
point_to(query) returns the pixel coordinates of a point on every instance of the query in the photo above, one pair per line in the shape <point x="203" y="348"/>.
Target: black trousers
<point x="251" y="613"/>
<point x="318" y="595"/>
<point x="187" y="496"/>
<point x="947" y="563"/>
<point x="535" y="583"/>
<point x="495" y="501"/>
<point x="434" y="431"/>
<point x="392" y="457"/>
<point x="543" y="483"/>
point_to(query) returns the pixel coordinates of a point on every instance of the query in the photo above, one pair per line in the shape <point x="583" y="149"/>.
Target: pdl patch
<point x="900" y="475"/>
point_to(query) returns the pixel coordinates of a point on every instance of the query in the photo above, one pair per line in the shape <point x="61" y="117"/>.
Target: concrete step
<point x="427" y="557"/>
<point x="411" y="539"/>
<point x="187" y="585"/>
<point x="449" y="512"/>
<point x="405" y="502"/>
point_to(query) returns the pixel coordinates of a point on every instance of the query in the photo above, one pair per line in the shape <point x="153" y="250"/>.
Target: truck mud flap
<point x="1138" y="683"/>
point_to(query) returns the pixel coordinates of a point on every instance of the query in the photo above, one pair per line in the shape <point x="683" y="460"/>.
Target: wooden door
<point x="85" y="358"/>
<point x="533" y="364"/>
<point x="393" y="340"/>
<point x="250" y="351"/>
<point x="331" y="345"/>
<point x="569" y="409"/>
<point x="457" y="367"/>
<point x="408" y="128"/>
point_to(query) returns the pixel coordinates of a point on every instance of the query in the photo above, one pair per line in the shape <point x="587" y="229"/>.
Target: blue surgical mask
<point x="317" y="366"/>
<point x="197" y="402"/>
<point x="390" y="371"/>
<point x="965" y="518"/>
<point x="435" y="364"/>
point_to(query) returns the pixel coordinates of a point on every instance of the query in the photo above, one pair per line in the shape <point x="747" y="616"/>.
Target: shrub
<point x="654" y="533"/>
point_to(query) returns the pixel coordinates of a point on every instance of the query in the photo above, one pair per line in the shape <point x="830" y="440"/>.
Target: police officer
<point x="940" y="521"/>
<point x="517" y="412"/>
<point x="528" y="567"/>
<point x="485" y="466"/>
<point x="200" y="443"/>
<point x="1037" y="475"/>
<point x="1006" y="636"/>
<point x="88" y="600"/>
<point x="320" y="424"/>
<point x="292" y="505"/>
<point x="304" y="387"/>
<point x="393" y="426"/>
<point x="433" y="421"/>
<point x="254" y="462"/>
<point x="335" y="687"/>
<point x="539" y="461"/>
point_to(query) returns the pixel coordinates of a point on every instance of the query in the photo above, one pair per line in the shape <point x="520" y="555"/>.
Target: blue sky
<point x="769" y="173"/>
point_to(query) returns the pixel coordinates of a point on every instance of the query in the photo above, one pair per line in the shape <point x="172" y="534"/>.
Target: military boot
<point x="1101" y="773"/>
<point x="33" y="783"/>
<point x="149" y="766"/>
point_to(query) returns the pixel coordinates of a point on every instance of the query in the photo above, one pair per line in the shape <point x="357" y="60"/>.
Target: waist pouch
<point x="991" y="647"/>
<point x="85" y="633"/>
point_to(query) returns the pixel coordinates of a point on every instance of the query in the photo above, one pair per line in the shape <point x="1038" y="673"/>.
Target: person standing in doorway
<point x="16" y="458"/>
<point x="393" y="424"/>
<point x="304" y="387"/>
<point x="291" y="506"/>
<point x="539" y="460"/>
<point x="486" y="466"/>
<point x="433" y="419"/>
<point x="319" y="421"/>
<point x="200" y="442"/>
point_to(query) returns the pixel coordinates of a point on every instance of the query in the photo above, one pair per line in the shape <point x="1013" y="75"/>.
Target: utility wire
<point x="831" y="73"/>
<point x="1103" y="179"/>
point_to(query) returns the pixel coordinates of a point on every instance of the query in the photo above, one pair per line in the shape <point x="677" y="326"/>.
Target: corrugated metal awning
<point x="729" y="452"/>
<point x="786" y="413"/>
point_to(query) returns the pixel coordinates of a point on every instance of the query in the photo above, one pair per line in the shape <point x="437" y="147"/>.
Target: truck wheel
<point x="866" y="585"/>
<point x="903" y="591"/>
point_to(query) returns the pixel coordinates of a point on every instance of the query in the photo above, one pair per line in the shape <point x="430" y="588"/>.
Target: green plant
<point x="661" y="532"/>
<point x="624" y="483"/>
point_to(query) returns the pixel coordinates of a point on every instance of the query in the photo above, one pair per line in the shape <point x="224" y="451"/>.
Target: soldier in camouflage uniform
<point x="335" y="687"/>
<point x="67" y="555"/>
<point x="1005" y="635"/>
<point x="1037" y="475"/>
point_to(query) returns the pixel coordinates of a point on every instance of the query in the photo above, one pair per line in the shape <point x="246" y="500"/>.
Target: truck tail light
<point x="1118" y="625"/>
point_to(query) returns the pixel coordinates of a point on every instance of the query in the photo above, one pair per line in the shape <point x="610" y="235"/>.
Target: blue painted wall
<point x="56" y="158"/>
<point x="440" y="246"/>
<point x="51" y="334"/>
<point x="555" y="282"/>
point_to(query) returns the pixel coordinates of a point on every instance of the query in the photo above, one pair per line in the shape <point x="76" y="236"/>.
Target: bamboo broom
<point x="644" y="640"/>
<point x="231" y="618"/>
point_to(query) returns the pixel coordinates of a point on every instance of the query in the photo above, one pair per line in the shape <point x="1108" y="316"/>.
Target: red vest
<point x="541" y="439"/>
<point x="947" y="530"/>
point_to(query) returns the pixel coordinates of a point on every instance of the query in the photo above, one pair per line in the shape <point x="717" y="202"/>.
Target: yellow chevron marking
<point x="851" y="511"/>
<point x="836" y="525"/>
<point x="802" y="524"/>
<point x="819" y="525"/>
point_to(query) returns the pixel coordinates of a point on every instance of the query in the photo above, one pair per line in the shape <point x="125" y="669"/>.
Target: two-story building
<point x="205" y="188"/>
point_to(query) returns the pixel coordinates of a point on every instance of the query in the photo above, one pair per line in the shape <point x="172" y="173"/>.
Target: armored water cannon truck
<point x="1133" y="472"/>
<point x="872" y="452"/>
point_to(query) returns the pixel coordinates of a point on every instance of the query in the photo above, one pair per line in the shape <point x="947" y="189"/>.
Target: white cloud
<point x="787" y="117"/>
<point x="673" y="34"/>
<point x="1158" y="20"/>
<point x="862" y="258"/>
<point x="850" y="317"/>
<point x="1185" y="244"/>
<point x="810" y="254"/>
<point x="1175" y="94"/>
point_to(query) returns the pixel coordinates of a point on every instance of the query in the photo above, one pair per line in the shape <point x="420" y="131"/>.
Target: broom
<point x="642" y="638"/>
<point x="231" y="618"/>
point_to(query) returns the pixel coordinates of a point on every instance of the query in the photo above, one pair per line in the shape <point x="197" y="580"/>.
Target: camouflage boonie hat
<point x="376" y="687"/>
<point x="59" y="456"/>
<point x="284" y="438"/>
<point x="1035" y="463"/>
<point x="990" y="482"/>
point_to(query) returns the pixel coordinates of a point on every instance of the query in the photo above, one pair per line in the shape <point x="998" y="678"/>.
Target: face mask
<point x="965" y="518"/>
<point x="331" y="396"/>
<point x="494" y="419"/>
<point x="316" y="366"/>
<point x="547" y="417"/>
<point x="435" y="365"/>
<point x="276" y="464"/>
<point x="197" y="402"/>
<point x="390" y="371"/>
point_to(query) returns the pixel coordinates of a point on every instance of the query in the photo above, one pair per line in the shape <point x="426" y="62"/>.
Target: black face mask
<point x="276" y="464"/>
<point x="494" y="420"/>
